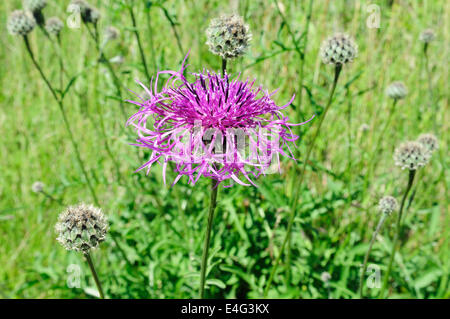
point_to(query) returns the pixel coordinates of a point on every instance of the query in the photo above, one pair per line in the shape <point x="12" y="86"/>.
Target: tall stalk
<point x="430" y="84"/>
<point x="174" y="29"/>
<point x="65" y="119"/>
<point x="138" y="39"/>
<point x="204" y="265"/>
<point x="94" y="273"/>
<point x="397" y="232"/>
<point x="300" y="179"/>
<point x="212" y="208"/>
<point x="366" y="257"/>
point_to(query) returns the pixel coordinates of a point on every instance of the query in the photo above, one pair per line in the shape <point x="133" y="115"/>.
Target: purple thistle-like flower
<point x="213" y="127"/>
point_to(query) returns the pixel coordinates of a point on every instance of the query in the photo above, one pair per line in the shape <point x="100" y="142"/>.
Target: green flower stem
<point x="366" y="257"/>
<point x="174" y="29"/>
<point x="212" y="208"/>
<point x="65" y="119"/>
<point x="138" y="39"/>
<point x="299" y="51"/>
<point x="204" y="265"/>
<point x="150" y="35"/>
<point x="298" y="185"/>
<point x="94" y="273"/>
<point x="430" y="85"/>
<point x="117" y="83"/>
<point x="397" y="232"/>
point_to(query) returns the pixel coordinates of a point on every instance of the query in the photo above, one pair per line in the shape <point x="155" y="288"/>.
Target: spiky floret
<point x="213" y="126"/>
<point x="429" y="141"/>
<point x="20" y="23"/>
<point x="54" y="25"/>
<point x="411" y="155"/>
<point x="338" y="49"/>
<point x="228" y="36"/>
<point x="34" y="5"/>
<point x="387" y="204"/>
<point x="427" y="36"/>
<point x="81" y="227"/>
<point x="396" y="90"/>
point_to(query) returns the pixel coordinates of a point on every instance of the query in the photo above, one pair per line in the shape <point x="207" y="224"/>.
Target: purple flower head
<point x="214" y="127"/>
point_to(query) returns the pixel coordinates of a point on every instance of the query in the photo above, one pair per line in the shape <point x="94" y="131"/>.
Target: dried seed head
<point x="20" y="23"/>
<point x="34" y="5"/>
<point x="325" y="277"/>
<point x="37" y="187"/>
<point x="427" y="36"/>
<point x="111" y="33"/>
<point x="93" y="16"/>
<point x="54" y="25"/>
<point x="338" y="49"/>
<point x="411" y="155"/>
<point x="364" y="127"/>
<point x="81" y="227"/>
<point x="387" y="204"/>
<point x="228" y="36"/>
<point x="396" y="90"/>
<point x="88" y="13"/>
<point x="429" y="141"/>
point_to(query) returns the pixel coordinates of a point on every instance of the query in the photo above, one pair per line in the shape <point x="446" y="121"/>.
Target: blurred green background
<point x="160" y="230"/>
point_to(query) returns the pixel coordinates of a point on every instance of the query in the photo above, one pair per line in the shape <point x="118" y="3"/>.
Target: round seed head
<point x="338" y="49"/>
<point x="88" y="13"/>
<point x="427" y="36"/>
<point x="396" y="90"/>
<point x="111" y="33"/>
<point x="93" y="16"/>
<point x="20" y="23"/>
<point x="387" y="204"/>
<point x="228" y="36"/>
<point x="81" y="227"/>
<point x="429" y="141"/>
<point x="364" y="127"/>
<point x="411" y="155"/>
<point x="54" y="25"/>
<point x="37" y="187"/>
<point x="325" y="276"/>
<point x="34" y="5"/>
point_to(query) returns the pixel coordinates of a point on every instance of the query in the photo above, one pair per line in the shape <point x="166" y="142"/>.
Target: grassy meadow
<point x="154" y="245"/>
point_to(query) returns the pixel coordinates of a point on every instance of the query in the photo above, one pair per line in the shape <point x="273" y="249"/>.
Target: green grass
<point x="161" y="229"/>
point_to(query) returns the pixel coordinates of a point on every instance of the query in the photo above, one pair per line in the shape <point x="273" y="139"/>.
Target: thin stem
<point x="94" y="273"/>
<point x="298" y="185"/>
<point x="105" y="61"/>
<point x="302" y="59"/>
<point x="366" y="257"/>
<point x="138" y="39"/>
<point x="397" y="232"/>
<point x="224" y="66"/>
<point x="66" y="121"/>
<point x="204" y="265"/>
<point x="152" y="47"/>
<point x="430" y="85"/>
<point x="174" y="29"/>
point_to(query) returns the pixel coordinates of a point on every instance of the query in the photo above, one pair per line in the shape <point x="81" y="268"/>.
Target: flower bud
<point x="20" y="23"/>
<point x="411" y="155"/>
<point x="81" y="227"/>
<point x="387" y="205"/>
<point x="427" y="36"/>
<point x="54" y="26"/>
<point x="228" y="36"/>
<point x="396" y="90"/>
<point x="429" y="141"/>
<point x="338" y="49"/>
